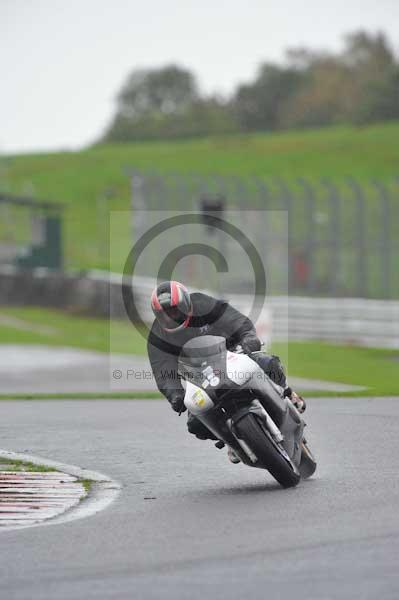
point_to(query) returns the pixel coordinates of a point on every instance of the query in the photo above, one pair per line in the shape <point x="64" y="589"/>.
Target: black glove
<point x="176" y="401"/>
<point x="250" y="343"/>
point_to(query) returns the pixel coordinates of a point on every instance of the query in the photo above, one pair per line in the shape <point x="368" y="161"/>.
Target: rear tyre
<point x="250" y="430"/>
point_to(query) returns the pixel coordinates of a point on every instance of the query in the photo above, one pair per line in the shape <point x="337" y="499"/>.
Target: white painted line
<point x="103" y="491"/>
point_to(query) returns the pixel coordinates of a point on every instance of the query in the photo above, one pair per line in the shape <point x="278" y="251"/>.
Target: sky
<point x="62" y="62"/>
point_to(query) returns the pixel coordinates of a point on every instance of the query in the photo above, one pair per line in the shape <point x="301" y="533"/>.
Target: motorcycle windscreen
<point x="203" y="363"/>
<point x="206" y="348"/>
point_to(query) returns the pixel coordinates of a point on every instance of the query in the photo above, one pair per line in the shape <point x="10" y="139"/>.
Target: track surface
<point x="212" y="529"/>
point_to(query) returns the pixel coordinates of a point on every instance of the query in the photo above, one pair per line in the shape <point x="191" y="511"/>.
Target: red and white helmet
<point x="171" y="305"/>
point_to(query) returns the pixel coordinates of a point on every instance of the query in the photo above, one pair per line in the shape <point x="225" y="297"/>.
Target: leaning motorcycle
<point x="244" y="409"/>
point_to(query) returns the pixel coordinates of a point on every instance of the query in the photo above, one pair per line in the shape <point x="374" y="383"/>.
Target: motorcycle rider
<point x="181" y="316"/>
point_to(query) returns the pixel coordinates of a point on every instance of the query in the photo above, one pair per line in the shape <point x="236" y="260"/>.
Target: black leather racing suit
<point x="210" y="317"/>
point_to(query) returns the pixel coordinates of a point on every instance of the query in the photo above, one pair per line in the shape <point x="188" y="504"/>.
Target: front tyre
<point x="250" y="430"/>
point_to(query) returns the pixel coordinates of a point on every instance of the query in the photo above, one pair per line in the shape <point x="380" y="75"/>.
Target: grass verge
<point x="140" y="395"/>
<point x="87" y="484"/>
<point x="10" y="464"/>
<point x="377" y="370"/>
<point x="50" y="327"/>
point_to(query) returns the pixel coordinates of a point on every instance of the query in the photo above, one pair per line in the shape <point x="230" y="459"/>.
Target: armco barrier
<point x="77" y="292"/>
<point x="97" y="293"/>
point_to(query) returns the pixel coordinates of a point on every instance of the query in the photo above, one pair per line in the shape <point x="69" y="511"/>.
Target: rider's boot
<point x="232" y="456"/>
<point x="296" y="400"/>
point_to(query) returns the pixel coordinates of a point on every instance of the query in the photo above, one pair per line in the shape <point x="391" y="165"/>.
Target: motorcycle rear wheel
<point x="250" y="430"/>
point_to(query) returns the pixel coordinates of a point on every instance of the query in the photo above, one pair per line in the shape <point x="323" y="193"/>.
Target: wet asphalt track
<point x="209" y="529"/>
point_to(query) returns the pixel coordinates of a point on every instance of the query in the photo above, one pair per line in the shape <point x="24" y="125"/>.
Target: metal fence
<point x="343" y="237"/>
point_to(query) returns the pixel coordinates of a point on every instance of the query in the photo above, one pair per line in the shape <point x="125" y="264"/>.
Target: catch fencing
<point x="358" y="321"/>
<point x="342" y="237"/>
<point x="345" y="320"/>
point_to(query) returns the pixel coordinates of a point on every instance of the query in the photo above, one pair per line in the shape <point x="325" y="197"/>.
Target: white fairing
<point x="240" y="368"/>
<point x="196" y="399"/>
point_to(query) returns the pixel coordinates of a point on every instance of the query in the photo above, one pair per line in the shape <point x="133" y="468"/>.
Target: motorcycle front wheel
<point x="250" y="430"/>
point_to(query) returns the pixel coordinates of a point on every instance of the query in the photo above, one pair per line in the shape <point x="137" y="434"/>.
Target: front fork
<point x="288" y="438"/>
<point x="256" y="408"/>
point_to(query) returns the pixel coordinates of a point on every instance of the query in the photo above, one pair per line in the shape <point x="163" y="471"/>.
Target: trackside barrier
<point x="367" y="322"/>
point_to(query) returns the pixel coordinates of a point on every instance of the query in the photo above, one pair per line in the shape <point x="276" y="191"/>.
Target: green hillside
<point x="80" y="179"/>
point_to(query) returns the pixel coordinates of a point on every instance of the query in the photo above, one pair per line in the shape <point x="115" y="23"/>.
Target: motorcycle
<point x="244" y="409"/>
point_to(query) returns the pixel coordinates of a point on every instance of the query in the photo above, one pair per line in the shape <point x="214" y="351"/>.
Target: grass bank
<point x="375" y="369"/>
<point x="81" y="179"/>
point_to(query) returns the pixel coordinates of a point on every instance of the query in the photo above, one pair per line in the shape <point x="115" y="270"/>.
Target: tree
<point x="165" y="103"/>
<point x="168" y="90"/>
<point x="311" y="88"/>
<point x="325" y="96"/>
<point x="258" y="105"/>
<point x="359" y="85"/>
<point x="202" y="117"/>
<point x="376" y="74"/>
